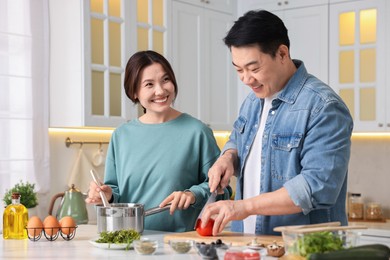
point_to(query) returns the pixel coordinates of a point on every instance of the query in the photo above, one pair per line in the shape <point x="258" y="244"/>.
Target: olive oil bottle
<point x="15" y="219"/>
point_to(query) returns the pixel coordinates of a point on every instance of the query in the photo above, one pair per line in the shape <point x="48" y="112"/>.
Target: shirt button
<point x="273" y="112"/>
<point x="247" y="147"/>
<point x="265" y="136"/>
<point x="289" y="145"/>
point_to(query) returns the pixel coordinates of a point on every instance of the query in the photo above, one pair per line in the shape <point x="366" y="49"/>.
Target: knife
<point x="211" y="199"/>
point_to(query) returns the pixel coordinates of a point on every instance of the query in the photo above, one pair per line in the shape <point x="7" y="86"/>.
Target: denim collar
<point x="290" y="92"/>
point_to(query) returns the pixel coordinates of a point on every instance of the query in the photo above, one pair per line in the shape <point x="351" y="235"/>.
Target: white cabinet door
<point x="358" y="57"/>
<point x="80" y="86"/>
<point x="308" y="32"/>
<point x="202" y="65"/>
<point x="225" y="6"/>
<point x="278" y="5"/>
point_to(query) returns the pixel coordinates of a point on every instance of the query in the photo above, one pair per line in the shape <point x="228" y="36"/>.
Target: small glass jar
<point x="374" y="211"/>
<point x="356" y="206"/>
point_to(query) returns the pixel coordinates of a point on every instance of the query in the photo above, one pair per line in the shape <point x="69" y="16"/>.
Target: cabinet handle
<point x="380" y="125"/>
<point x="286" y="2"/>
<point x="207" y="1"/>
<point x="388" y="124"/>
<point x="279" y="3"/>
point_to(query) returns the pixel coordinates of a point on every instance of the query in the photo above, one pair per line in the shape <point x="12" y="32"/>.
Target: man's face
<point x="262" y="73"/>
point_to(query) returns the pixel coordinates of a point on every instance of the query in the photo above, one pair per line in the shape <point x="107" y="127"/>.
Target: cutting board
<point x="233" y="238"/>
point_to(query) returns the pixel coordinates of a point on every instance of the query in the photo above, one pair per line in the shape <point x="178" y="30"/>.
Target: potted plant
<point x="28" y="196"/>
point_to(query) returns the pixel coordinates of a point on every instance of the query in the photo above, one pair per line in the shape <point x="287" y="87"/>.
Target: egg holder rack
<point x="55" y="231"/>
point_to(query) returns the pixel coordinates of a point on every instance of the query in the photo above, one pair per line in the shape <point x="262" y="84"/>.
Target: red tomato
<point x="207" y="230"/>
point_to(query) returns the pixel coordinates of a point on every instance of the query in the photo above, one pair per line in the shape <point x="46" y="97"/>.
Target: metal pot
<point x="124" y="216"/>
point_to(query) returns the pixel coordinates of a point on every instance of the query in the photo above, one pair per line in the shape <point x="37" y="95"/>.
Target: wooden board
<point x="233" y="238"/>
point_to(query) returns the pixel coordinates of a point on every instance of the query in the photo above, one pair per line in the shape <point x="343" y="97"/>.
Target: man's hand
<point x="222" y="170"/>
<point x="223" y="212"/>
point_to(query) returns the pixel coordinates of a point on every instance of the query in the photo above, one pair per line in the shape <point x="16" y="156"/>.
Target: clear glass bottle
<point x="374" y="211"/>
<point x="356" y="206"/>
<point x="15" y="219"/>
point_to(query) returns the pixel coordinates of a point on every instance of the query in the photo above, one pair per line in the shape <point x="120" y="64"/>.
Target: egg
<point x="51" y="225"/>
<point x="34" y="226"/>
<point x="68" y="225"/>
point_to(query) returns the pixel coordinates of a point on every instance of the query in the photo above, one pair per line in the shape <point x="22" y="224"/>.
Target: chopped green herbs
<point x="319" y="242"/>
<point x="119" y="237"/>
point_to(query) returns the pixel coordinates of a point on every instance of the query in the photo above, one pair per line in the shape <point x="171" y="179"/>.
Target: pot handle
<point x="156" y="210"/>
<point x="53" y="200"/>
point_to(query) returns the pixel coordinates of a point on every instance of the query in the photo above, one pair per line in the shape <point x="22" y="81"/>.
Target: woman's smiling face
<point x="156" y="91"/>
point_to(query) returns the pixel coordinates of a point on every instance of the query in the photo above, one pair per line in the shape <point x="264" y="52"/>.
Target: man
<point x="290" y="145"/>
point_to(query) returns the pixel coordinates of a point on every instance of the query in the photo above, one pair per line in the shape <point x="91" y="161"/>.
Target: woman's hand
<point x="178" y="200"/>
<point x="93" y="193"/>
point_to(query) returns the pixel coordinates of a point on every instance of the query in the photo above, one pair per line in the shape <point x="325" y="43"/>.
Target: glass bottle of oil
<point x="15" y="219"/>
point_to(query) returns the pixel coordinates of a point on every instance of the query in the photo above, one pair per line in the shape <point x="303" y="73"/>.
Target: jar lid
<point x="374" y="204"/>
<point x="15" y="195"/>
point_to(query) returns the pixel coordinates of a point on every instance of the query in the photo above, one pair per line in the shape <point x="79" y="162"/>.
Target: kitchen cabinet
<point x="359" y="33"/>
<point x="202" y="64"/>
<point x="89" y="48"/>
<point x="375" y="236"/>
<point x="376" y="232"/>
<point x="307" y="25"/>
<point x="225" y="6"/>
<point x="280" y="5"/>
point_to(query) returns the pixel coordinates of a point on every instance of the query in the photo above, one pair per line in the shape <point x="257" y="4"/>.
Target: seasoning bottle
<point x="15" y="219"/>
<point x="356" y="206"/>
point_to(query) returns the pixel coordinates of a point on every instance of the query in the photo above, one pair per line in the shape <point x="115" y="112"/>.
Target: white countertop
<point x="80" y="248"/>
<point x="377" y="228"/>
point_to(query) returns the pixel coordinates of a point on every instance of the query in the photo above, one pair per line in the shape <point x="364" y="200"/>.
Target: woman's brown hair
<point x="139" y="61"/>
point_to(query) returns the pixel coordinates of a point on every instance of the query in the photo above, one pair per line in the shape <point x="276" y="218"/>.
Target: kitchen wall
<point x="64" y="159"/>
<point x="369" y="172"/>
<point x="369" y="169"/>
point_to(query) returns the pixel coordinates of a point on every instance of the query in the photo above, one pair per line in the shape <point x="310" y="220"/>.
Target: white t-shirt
<point x="252" y="170"/>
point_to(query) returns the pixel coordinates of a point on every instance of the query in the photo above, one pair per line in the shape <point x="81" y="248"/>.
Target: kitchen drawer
<point x="375" y="236"/>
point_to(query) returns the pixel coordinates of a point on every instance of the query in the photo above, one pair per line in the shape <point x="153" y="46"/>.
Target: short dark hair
<point x="136" y="64"/>
<point x="260" y="28"/>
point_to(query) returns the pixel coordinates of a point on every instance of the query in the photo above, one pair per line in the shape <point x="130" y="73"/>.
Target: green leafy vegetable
<point x="319" y="242"/>
<point x="126" y="236"/>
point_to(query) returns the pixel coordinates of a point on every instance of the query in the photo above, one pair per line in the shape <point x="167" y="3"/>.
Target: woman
<point x="163" y="156"/>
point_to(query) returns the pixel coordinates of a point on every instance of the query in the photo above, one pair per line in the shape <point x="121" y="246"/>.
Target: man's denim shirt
<point x="306" y="149"/>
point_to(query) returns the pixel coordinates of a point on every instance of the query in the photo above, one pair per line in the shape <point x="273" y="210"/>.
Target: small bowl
<point x="181" y="246"/>
<point x="296" y="243"/>
<point x="145" y="246"/>
<point x="206" y="251"/>
<point x="241" y="253"/>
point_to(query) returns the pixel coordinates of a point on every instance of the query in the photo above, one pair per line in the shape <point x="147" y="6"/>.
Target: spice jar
<point x="356" y="206"/>
<point x="374" y="211"/>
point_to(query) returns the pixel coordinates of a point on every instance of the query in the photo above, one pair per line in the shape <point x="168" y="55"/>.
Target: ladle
<point x="98" y="183"/>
